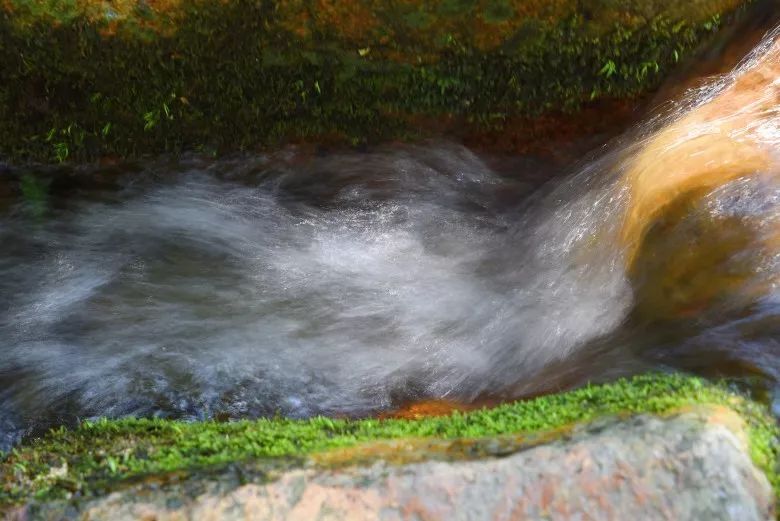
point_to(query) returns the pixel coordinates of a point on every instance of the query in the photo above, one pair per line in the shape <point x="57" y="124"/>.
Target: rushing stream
<point x="347" y="284"/>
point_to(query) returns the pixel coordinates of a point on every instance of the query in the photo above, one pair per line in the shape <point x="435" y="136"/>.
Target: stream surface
<point x="349" y="284"/>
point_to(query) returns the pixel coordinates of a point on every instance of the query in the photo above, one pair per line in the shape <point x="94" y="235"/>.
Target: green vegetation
<point x="84" y="79"/>
<point x="98" y="456"/>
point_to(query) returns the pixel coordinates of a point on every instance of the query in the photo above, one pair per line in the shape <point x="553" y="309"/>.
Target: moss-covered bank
<point x="82" y="79"/>
<point x="102" y="455"/>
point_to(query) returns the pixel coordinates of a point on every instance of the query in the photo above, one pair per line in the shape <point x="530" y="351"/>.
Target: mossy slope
<point x="98" y="456"/>
<point x="82" y="79"/>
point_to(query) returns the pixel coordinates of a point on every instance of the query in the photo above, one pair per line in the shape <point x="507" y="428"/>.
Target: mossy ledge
<point x="91" y="78"/>
<point x="101" y="456"/>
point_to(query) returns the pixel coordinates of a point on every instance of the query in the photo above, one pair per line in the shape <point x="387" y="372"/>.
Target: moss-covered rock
<point x="688" y="465"/>
<point x="88" y="78"/>
<point x="106" y="455"/>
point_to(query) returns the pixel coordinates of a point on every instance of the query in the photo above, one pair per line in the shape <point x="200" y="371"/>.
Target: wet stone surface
<point x="691" y="465"/>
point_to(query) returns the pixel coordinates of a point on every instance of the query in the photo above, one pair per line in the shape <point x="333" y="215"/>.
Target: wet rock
<point x="690" y="465"/>
<point x="375" y="70"/>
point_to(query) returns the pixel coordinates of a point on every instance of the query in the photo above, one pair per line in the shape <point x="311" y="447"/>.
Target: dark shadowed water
<point x="346" y="284"/>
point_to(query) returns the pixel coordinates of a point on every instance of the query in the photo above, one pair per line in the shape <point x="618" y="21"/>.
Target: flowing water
<point x="347" y="284"/>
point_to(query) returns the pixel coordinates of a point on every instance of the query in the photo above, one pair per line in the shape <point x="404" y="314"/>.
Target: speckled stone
<point x="692" y="465"/>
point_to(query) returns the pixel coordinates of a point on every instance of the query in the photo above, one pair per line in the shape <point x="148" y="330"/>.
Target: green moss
<point x="99" y="455"/>
<point x="498" y="11"/>
<point x="84" y="79"/>
<point x="455" y="7"/>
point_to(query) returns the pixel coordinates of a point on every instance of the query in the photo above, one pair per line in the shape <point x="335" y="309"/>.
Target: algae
<point x="101" y="455"/>
<point x="86" y="79"/>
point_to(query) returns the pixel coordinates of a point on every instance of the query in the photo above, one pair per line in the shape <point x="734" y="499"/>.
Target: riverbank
<point x="93" y="79"/>
<point x="109" y="455"/>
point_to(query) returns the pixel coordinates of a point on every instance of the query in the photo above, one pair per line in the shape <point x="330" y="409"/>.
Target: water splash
<point x="397" y="275"/>
<point x="350" y="283"/>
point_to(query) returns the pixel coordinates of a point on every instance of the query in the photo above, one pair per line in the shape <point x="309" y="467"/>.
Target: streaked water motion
<point x="350" y="283"/>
